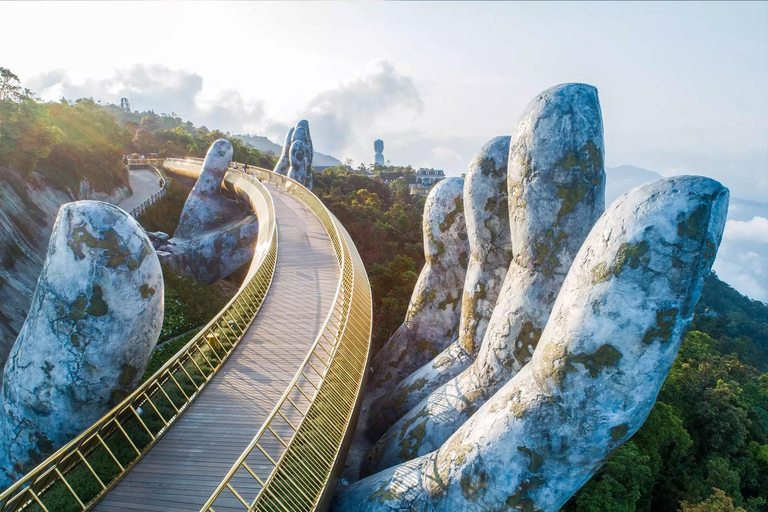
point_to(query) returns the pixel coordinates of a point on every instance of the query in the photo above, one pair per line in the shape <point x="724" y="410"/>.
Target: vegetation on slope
<point x="704" y="447"/>
<point x="64" y="142"/>
<point x="385" y="223"/>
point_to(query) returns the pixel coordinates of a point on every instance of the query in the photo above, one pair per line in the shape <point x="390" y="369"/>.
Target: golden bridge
<point x="256" y="412"/>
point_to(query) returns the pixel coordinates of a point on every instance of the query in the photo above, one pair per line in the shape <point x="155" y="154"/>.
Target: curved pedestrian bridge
<point x="256" y="412"/>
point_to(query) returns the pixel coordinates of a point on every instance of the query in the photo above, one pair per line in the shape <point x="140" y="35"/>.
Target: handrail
<point x="289" y="465"/>
<point x="166" y="182"/>
<point x="93" y="462"/>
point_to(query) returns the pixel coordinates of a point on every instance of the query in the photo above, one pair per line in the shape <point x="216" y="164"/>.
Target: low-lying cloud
<point x="755" y="230"/>
<point x="160" y="89"/>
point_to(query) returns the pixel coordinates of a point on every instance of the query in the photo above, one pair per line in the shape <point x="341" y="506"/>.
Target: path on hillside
<point x="144" y="183"/>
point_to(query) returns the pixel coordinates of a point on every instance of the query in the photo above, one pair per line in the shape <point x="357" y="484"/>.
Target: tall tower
<point x="378" y="148"/>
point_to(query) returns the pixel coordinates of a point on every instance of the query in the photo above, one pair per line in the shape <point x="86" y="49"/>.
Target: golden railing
<point x="293" y="460"/>
<point x="165" y="182"/>
<point x="77" y="475"/>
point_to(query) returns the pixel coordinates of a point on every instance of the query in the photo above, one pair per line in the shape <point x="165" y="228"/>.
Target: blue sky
<point x="683" y="86"/>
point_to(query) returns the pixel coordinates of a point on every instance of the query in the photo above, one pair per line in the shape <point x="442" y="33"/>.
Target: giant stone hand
<point x="94" y="322"/>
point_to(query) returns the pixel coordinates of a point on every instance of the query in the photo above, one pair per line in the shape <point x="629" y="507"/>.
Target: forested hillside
<point x="704" y="448"/>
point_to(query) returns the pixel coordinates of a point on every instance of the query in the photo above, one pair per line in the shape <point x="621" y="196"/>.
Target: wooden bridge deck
<point x="189" y="461"/>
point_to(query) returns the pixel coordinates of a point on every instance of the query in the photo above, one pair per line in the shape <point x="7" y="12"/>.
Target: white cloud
<point x="755" y="230"/>
<point x="161" y="89"/>
<point x="346" y="120"/>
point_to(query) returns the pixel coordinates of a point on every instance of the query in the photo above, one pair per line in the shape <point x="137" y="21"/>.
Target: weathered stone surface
<point x="432" y="320"/>
<point x="378" y="152"/>
<point x="95" y="317"/>
<point x="215" y="235"/>
<point x="613" y="335"/>
<point x="284" y="162"/>
<point x="486" y="211"/>
<point x="299" y="161"/>
<point x="302" y="133"/>
<point x="556" y="183"/>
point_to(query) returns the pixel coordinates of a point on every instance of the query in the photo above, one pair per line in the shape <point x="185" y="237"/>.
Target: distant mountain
<point x="264" y="144"/>
<point x="626" y="177"/>
<point x="261" y="143"/>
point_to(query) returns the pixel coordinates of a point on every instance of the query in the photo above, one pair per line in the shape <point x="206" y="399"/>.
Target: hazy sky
<point x="683" y="86"/>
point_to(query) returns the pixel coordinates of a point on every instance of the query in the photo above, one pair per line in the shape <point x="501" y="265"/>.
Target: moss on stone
<point x="619" y="431"/>
<point x="526" y="341"/>
<point x="410" y="440"/>
<point x="631" y="255"/>
<point x="605" y="356"/>
<point x="695" y="225"/>
<point x="97" y="306"/>
<point x="146" y="291"/>
<point x="473" y="483"/>
<point x="449" y="300"/>
<point x="662" y="331"/>
<point x="522" y="500"/>
<point x="536" y="460"/>
<point x="385" y="493"/>
<point x="544" y="252"/>
<point x="451" y="216"/>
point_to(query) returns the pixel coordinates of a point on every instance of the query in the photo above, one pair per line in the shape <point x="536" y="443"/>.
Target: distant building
<point x="425" y="178"/>
<point x="428" y="177"/>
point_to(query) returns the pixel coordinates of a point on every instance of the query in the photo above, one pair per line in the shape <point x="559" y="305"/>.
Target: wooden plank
<point x="189" y="461"/>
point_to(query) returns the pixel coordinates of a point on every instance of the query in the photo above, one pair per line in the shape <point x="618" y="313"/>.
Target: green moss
<point x="422" y="302"/>
<point x="410" y="440"/>
<point x="449" y="299"/>
<point x="451" y="217"/>
<point x="473" y="483"/>
<point x="605" y="356"/>
<point x="426" y="347"/>
<point x="590" y="164"/>
<point x="385" y="493"/>
<point x="536" y="460"/>
<point x="662" y="331"/>
<point x="521" y="500"/>
<point x="526" y="342"/>
<point x="619" y="431"/>
<point x="544" y="252"/>
<point x="97" y="306"/>
<point x="146" y="291"/>
<point x="406" y="391"/>
<point x="631" y="255"/>
<point x="695" y="225"/>
<point x="108" y="242"/>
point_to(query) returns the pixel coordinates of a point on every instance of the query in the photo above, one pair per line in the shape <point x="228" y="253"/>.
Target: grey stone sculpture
<point x="556" y="185"/>
<point x="614" y="332"/>
<point x="486" y="211"/>
<point x="378" y="152"/>
<point x="284" y="162"/>
<point x="297" y="158"/>
<point x="215" y="235"/>
<point x="299" y="161"/>
<point x="96" y="314"/>
<point x="432" y="319"/>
